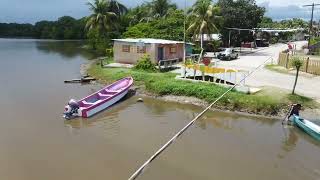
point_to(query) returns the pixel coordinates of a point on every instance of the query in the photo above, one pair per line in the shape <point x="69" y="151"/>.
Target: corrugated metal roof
<point x="209" y="37"/>
<point x="149" y="41"/>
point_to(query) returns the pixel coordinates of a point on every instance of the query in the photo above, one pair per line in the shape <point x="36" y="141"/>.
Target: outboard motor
<point x="71" y="109"/>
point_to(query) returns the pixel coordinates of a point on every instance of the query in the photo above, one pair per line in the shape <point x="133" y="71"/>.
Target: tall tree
<point x="203" y="19"/>
<point x="104" y="23"/>
<point x="101" y="18"/>
<point x="240" y="14"/>
<point x="150" y="11"/>
<point x="297" y="63"/>
<point x="160" y="8"/>
<point x="118" y="8"/>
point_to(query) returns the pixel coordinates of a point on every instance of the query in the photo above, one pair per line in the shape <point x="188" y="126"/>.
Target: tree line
<point x="65" y="27"/>
<point x="161" y="19"/>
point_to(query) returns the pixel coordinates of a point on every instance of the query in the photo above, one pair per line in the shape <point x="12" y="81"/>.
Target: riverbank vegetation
<point x="160" y="84"/>
<point x="65" y="27"/>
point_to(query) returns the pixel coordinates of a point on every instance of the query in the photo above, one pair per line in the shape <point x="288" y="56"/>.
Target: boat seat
<point x="87" y="103"/>
<point x="104" y="95"/>
<point x="111" y="91"/>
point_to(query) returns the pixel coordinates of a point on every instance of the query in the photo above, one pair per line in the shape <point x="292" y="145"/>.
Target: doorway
<point x="160" y="53"/>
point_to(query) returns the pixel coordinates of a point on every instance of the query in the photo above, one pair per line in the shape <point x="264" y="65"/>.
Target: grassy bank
<point x="165" y="84"/>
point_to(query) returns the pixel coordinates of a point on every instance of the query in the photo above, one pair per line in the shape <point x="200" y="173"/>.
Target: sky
<point x="31" y="11"/>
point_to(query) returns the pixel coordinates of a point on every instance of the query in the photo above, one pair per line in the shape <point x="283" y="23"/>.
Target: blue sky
<point x="30" y="11"/>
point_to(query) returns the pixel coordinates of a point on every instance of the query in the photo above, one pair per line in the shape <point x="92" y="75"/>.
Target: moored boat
<point x="308" y="126"/>
<point x="99" y="100"/>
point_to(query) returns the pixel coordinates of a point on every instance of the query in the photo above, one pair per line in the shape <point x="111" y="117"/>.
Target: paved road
<point x="308" y="86"/>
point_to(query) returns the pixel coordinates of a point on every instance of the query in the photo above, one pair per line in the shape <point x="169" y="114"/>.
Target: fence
<point x="171" y="63"/>
<point x="167" y="64"/>
<point x="226" y="75"/>
<point x="309" y="65"/>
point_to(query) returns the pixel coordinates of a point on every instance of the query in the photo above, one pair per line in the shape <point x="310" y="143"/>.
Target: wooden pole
<point x="287" y="60"/>
<point x="141" y="169"/>
<point x="307" y="64"/>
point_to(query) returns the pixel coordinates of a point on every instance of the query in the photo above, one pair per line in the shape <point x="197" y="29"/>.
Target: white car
<point x="228" y="54"/>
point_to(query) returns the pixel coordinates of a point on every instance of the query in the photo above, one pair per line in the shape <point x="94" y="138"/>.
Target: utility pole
<point x="311" y="21"/>
<point x="184" y="39"/>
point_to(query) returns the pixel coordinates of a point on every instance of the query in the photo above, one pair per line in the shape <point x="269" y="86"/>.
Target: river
<point x="37" y="143"/>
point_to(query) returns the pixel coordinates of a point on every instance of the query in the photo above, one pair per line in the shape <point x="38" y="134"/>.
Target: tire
<point x="229" y="58"/>
<point x="237" y="56"/>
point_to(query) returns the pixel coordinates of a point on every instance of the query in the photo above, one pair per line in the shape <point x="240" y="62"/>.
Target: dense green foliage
<point x="150" y="11"/>
<point x="284" y="24"/>
<point x="170" y="28"/>
<point x="65" y="27"/>
<point x="240" y="14"/>
<point x="145" y="64"/>
<point x="16" y="30"/>
<point x="165" y="84"/>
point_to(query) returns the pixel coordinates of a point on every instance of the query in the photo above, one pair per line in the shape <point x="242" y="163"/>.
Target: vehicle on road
<point x="228" y="54"/>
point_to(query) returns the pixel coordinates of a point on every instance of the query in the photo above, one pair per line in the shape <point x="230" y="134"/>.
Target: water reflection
<point x="290" y="139"/>
<point x="229" y="121"/>
<point x="68" y="49"/>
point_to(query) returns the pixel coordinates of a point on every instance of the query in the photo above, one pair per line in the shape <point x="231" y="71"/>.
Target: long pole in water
<point x="184" y="39"/>
<point x="138" y="172"/>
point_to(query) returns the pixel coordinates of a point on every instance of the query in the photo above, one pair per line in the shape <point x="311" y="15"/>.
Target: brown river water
<point x="38" y="144"/>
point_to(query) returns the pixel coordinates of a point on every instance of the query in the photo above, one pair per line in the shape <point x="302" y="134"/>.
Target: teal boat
<point x="308" y="126"/>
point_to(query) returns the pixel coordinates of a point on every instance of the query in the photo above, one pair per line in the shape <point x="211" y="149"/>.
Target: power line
<point x="311" y="21"/>
<point x="166" y="145"/>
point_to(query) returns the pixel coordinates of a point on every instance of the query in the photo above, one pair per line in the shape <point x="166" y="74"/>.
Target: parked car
<point x="262" y="43"/>
<point x="228" y="54"/>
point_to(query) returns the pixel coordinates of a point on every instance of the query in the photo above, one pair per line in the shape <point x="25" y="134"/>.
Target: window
<point x="142" y="49"/>
<point x="125" y="48"/>
<point x="173" y="49"/>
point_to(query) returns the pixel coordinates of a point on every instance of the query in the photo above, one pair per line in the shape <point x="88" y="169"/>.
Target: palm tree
<point x="159" y="8"/>
<point x="103" y="18"/>
<point x="140" y="13"/>
<point x="202" y="19"/>
<point x="297" y="63"/>
<point x="118" y="8"/>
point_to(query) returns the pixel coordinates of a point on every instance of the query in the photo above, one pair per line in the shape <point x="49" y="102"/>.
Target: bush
<point x="274" y="40"/>
<point x="145" y="64"/>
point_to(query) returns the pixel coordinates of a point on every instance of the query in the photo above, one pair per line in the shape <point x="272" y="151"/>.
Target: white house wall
<point x="132" y="57"/>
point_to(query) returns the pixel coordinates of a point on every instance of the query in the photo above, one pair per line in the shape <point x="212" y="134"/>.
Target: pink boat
<point x="99" y="100"/>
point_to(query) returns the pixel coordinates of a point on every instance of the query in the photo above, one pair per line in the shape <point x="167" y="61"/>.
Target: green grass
<point x="276" y="68"/>
<point x="305" y="101"/>
<point x="107" y="60"/>
<point x="165" y="84"/>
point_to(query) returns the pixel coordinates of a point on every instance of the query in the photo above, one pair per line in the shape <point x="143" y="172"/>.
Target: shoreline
<point x="140" y="90"/>
<point x="200" y="103"/>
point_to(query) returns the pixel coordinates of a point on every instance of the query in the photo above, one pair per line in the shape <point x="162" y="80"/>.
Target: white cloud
<point x="286" y="2"/>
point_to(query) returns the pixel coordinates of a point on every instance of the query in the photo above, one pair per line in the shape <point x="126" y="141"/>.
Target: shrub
<point x="145" y="64"/>
<point x="274" y="40"/>
<point x="297" y="62"/>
